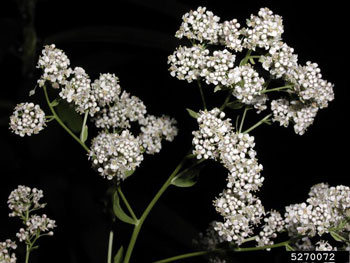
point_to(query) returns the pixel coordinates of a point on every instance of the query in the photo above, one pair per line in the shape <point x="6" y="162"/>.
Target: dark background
<point x="133" y="39"/>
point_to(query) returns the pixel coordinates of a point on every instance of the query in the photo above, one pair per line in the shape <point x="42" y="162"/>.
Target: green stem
<point x="83" y="127"/>
<point x="126" y="203"/>
<point x="278" y="89"/>
<point x="249" y="239"/>
<point x="258" y="123"/>
<point x="60" y="122"/>
<point x="223" y="106"/>
<point x="243" y="118"/>
<point x="140" y="222"/>
<point x="244" y="249"/>
<point x="202" y="94"/>
<point x="188" y="255"/>
<point x="110" y="247"/>
<point x="27" y="254"/>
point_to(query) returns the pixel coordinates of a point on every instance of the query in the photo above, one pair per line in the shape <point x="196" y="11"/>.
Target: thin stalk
<point x="202" y="94"/>
<point x="126" y="203"/>
<point x="140" y="222"/>
<point x="60" y="122"/>
<point x="188" y="255"/>
<point x="27" y="253"/>
<point x="223" y="106"/>
<point x="258" y="123"/>
<point x="278" y="89"/>
<point x="243" y="118"/>
<point x="84" y="124"/>
<point x="244" y="249"/>
<point x="249" y="239"/>
<point x="110" y="247"/>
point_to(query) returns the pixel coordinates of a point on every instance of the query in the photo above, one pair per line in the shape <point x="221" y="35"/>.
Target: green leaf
<point x="288" y="247"/>
<point x="217" y="88"/>
<point x="337" y="237"/>
<point x="69" y="116"/>
<point x="192" y="113"/>
<point x="119" y="256"/>
<point x="55" y="102"/>
<point x="119" y="212"/>
<point x="252" y="60"/>
<point x="84" y="134"/>
<point x="235" y="105"/>
<point x="128" y="173"/>
<point x="188" y="178"/>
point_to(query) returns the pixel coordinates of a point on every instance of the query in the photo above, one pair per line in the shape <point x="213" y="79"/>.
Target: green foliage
<point x="187" y="178"/>
<point x="68" y="115"/>
<point x="119" y="256"/>
<point x="119" y="212"/>
<point x="192" y="113"/>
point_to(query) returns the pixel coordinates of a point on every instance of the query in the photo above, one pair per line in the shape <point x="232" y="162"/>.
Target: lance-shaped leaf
<point x="84" y="133"/>
<point x="337" y="237"/>
<point x="235" y="105"/>
<point x="119" y="256"/>
<point x="69" y="116"/>
<point x="192" y="113"/>
<point x="119" y="212"/>
<point x="187" y="178"/>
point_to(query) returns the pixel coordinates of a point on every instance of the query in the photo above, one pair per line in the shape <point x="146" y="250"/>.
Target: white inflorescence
<point x="114" y="155"/>
<point x="78" y="90"/>
<point x="36" y="224"/>
<point x="106" y="89"/>
<point x="154" y="129"/>
<point x="24" y="199"/>
<point x="263" y="30"/>
<point x="230" y="35"/>
<point x="5" y="252"/>
<point x="27" y="119"/>
<point x="217" y="66"/>
<point x="326" y="207"/>
<point x="55" y="65"/>
<point x="187" y="63"/>
<point x="201" y="25"/>
<point x="274" y="224"/>
<point x="211" y="131"/>
<point x="324" y="246"/>
<point x="248" y="83"/>
<point x="280" y="61"/>
<point x="125" y="110"/>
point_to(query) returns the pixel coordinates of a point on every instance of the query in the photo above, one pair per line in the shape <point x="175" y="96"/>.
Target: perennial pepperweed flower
<point x="27" y="119"/>
<point x="230" y="35"/>
<point x="201" y="25"/>
<point x="36" y="225"/>
<point x="55" y="65"/>
<point x="106" y="89"/>
<point x="274" y="224"/>
<point x="324" y="246"/>
<point x="113" y="154"/>
<point x="5" y="252"/>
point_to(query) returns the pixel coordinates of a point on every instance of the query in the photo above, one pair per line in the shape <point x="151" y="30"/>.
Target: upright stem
<point x="60" y="122"/>
<point x="258" y="123"/>
<point x="110" y="247"/>
<point x="27" y="253"/>
<point x="202" y="94"/>
<point x="140" y="222"/>
<point x="226" y="100"/>
<point x="243" y="118"/>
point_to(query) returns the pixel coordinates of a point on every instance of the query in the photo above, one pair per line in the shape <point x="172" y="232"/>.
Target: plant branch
<point x="223" y="106"/>
<point x="202" y="94"/>
<point x="126" y="203"/>
<point x="258" y="123"/>
<point x="110" y="247"/>
<point x="278" y="89"/>
<point x="243" y="118"/>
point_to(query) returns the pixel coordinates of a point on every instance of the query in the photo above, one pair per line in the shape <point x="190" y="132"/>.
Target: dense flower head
<point x="186" y="63"/>
<point x="27" y="119"/>
<point x="24" y="199"/>
<point x="113" y="154"/>
<point x="247" y="83"/>
<point x="212" y="128"/>
<point x="263" y="30"/>
<point x="125" y="110"/>
<point x="5" y="252"/>
<point x="274" y="224"/>
<point x="55" y="66"/>
<point x="310" y="86"/>
<point x="106" y="89"/>
<point x="154" y="129"/>
<point x="36" y="226"/>
<point x="217" y="67"/>
<point x="280" y="61"/>
<point x="201" y="25"/>
<point x="230" y="35"/>
<point x="78" y="91"/>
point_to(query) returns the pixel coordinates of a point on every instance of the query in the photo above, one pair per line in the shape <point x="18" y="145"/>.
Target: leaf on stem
<point x="187" y="179"/>
<point x="235" y="105"/>
<point x="68" y="115"/>
<point x="337" y="237"/>
<point x="119" y="256"/>
<point x="288" y="247"/>
<point x="192" y="113"/>
<point x="119" y="212"/>
<point x="84" y="134"/>
<point x="55" y="102"/>
<point x="128" y="173"/>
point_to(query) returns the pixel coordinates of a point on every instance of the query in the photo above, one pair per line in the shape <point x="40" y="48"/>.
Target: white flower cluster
<point x="303" y="116"/>
<point x="36" y="224"/>
<point x="24" y="199"/>
<point x="230" y="35"/>
<point x="187" y="63"/>
<point x="274" y="224"/>
<point x="326" y="207"/>
<point x="5" y="252"/>
<point x="78" y="90"/>
<point x="126" y="109"/>
<point x="154" y="129"/>
<point x="263" y="30"/>
<point x="27" y="119"/>
<point x="248" y="84"/>
<point x="217" y="67"/>
<point x="106" y="89"/>
<point x="281" y="60"/>
<point x="201" y="25"/>
<point x="113" y="154"/>
<point x="55" y="65"/>
<point x="324" y="246"/>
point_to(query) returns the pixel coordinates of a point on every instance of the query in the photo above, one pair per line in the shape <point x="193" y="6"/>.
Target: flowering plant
<point x="258" y="72"/>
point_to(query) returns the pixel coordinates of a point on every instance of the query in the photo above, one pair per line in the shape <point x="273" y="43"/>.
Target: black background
<point x="133" y="39"/>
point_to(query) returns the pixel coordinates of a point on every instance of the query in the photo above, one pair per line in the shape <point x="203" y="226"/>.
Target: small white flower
<point x="230" y="35"/>
<point x="5" y="252"/>
<point x="106" y="89"/>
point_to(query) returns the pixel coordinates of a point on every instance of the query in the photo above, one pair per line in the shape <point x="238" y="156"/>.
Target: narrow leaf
<point x="289" y="248"/>
<point x="337" y="237"/>
<point x="235" y="105"/>
<point x="192" y="113"/>
<point x="69" y="116"/>
<point x="128" y="173"/>
<point x="187" y="179"/>
<point x="84" y="134"/>
<point x="119" y="256"/>
<point x="119" y="212"/>
<point x="252" y="60"/>
<point x="55" y="102"/>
